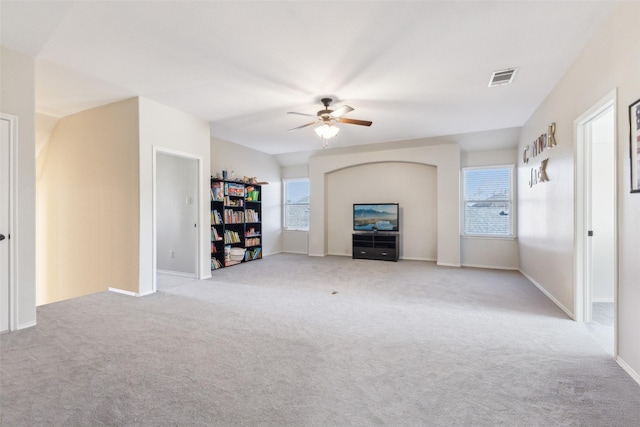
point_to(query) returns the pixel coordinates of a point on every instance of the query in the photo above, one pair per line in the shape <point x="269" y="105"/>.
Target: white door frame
<point x="198" y="160"/>
<point x="13" y="218"/>
<point x="582" y="213"/>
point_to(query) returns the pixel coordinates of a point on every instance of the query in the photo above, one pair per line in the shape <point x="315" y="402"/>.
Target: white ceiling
<point x="417" y="69"/>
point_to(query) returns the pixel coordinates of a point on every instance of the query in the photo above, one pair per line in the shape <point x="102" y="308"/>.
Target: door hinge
<point x="590" y="233"/>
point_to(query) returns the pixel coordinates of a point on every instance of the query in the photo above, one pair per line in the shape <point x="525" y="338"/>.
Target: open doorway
<point x="596" y="287"/>
<point x="176" y="218"/>
<point x="8" y="125"/>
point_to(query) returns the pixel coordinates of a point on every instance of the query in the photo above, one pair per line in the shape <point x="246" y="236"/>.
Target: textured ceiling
<point x="417" y="69"/>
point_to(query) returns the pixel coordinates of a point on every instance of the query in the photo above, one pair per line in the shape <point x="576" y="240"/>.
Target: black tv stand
<point x="377" y="246"/>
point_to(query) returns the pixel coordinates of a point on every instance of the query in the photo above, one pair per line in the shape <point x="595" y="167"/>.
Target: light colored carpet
<point x="298" y="341"/>
<point x="602" y="325"/>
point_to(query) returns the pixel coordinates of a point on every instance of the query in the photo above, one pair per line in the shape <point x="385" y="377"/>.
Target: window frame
<point x="285" y="204"/>
<point x="512" y="210"/>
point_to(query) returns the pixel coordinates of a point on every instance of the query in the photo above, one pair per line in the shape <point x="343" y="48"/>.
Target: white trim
<point x="582" y="290"/>
<point x="511" y="201"/>
<point x="491" y="267"/>
<point x="607" y="300"/>
<point x="445" y="264"/>
<point x="14" y="280"/>
<point x="628" y="369"/>
<point x="487" y="237"/>
<point x="129" y="293"/>
<point x="200" y="177"/>
<point x="293" y="252"/>
<point x="26" y="325"/>
<point x="123" y="292"/>
<point x="176" y="273"/>
<point x="551" y="297"/>
<point x="285" y="204"/>
<point x="417" y="259"/>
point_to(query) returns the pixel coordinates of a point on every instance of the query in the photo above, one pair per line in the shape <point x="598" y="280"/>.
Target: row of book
<point x="252" y="216"/>
<point x="215" y="263"/>
<point x="252" y="241"/>
<point x="215" y="237"/>
<point x="216" y="218"/>
<point x="252" y="254"/>
<point x="233" y="217"/>
<point x="216" y="191"/>
<point x="231" y="237"/>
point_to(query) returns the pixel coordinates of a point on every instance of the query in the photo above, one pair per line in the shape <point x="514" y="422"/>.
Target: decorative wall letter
<point x="543" y="142"/>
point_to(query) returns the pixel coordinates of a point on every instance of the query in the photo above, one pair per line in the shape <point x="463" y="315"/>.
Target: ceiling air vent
<point x="503" y="77"/>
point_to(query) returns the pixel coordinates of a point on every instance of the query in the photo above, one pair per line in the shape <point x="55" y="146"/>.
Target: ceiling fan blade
<point x="304" y="126"/>
<point x="302" y="114"/>
<point x="341" y="111"/>
<point x="355" y="122"/>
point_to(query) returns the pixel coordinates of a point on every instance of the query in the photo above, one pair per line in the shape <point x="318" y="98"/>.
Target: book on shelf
<point x="216" y="191"/>
<point x="252" y="241"/>
<point x="214" y="234"/>
<point x="233" y="217"/>
<point x="216" y="218"/>
<point x="253" y="254"/>
<point x="231" y="237"/>
<point x="215" y="263"/>
<point x="252" y="216"/>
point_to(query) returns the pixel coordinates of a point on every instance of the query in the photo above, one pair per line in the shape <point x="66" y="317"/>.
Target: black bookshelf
<point x="236" y="214"/>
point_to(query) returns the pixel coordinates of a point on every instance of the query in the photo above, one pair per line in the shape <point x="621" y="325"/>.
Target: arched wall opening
<point x="412" y="185"/>
<point x="444" y="157"/>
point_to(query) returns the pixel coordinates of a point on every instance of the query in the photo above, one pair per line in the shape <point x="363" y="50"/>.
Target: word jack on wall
<point x="542" y="143"/>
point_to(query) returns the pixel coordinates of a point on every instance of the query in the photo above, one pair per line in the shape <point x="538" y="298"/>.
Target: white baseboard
<point x="551" y="297"/>
<point x="418" y="259"/>
<point x="123" y="292"/>
<point x="177" y="273"/>
<point x="26" y="325"/>
<point x="446" y="264"/>
<point x="628" y="369"/>
<point x="491" y="267"/>
<point x="145" y="294"/>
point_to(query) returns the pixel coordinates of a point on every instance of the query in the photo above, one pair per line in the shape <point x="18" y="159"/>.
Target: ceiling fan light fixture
<point x="327" y="131"/>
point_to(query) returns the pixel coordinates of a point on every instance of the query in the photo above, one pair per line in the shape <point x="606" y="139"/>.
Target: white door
<point x="4" y="224"/>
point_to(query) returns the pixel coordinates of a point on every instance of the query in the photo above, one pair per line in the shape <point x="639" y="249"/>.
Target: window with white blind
<point x="296" y="204"/>
<point x="488" y="201"/>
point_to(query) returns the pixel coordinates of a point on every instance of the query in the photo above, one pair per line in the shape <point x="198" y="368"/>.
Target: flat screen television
<point x="376" y="217"/>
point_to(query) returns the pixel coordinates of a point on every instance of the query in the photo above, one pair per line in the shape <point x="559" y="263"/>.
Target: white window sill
<point x="487" y="237"/>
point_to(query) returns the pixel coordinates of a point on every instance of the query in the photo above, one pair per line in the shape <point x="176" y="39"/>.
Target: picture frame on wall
<point x="634" y="145"/>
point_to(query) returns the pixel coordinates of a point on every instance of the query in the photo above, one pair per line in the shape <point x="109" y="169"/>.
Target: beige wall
<point x="446" y="158"/>
<point x="87" y="194"/>
<point x="413" y="185"/>
<point x="546" y="220"/>
<point x="17" y="98"/>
